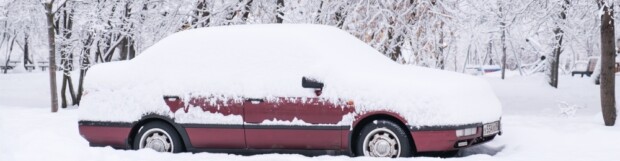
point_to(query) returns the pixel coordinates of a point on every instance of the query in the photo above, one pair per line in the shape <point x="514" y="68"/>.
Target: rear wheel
<point x="158" y="136"/>
<point x="383" y="138"/>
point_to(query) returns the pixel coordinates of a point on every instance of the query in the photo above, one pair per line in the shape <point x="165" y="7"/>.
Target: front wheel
<point x="383" y="138"/>
<point x="158" y="136"/>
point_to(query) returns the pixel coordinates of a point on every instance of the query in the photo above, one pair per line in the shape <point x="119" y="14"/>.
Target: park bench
<point x="43" y="65"/>
<point x="9" y="66"/>
<point x="589" y="69"/>
<point x="29" y="67"/>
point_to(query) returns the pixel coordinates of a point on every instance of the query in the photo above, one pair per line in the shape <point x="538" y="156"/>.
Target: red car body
<point x="323" y="135"/>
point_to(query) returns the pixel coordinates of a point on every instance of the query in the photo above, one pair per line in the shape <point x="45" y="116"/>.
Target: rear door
<point x="212" y="121"/>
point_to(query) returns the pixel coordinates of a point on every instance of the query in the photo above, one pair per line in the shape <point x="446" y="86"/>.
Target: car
<point x="282" y="88"/>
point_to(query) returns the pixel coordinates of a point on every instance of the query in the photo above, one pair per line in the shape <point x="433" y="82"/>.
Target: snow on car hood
<point x="270" y="61"/>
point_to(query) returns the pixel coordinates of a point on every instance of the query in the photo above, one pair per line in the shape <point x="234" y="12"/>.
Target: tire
<point x="386" y="134"/>
<point x="449" y="154"/>
<point x="164" y="138"/>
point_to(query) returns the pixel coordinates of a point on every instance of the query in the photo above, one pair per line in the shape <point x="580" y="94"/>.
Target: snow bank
<point x="266" y="61"/>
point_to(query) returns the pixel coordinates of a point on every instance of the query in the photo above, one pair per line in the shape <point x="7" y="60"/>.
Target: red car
<point x="282" y="88"/>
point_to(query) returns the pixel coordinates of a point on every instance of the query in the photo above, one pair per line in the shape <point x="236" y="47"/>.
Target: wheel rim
<point x="156" y="139"/>
<point x="381" y="142"/>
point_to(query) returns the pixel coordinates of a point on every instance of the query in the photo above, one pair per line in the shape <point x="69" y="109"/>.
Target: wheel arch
<point x="154" y="117"/>
<point x="366" y="118"/>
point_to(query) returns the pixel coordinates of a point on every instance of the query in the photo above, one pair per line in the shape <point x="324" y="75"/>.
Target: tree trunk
<point x="554" y="61"/>
<point x="84" y="65"/>
<point x="66" y="56"/>
<point x="63" y="89"/>
<point x="125" y="52"/>
<point x="397" y="53"/>
<point x="132" y="50"/>
<point x="393" y="53"/>
<point x="608" y="49"/>
<point x="124" y="48"/>
<point x="440" y="55"/>
<point x="340" y="15"/>
<point x="71" y="90"/>
<point x="67" y="82"/>
<point x="488" y="55"/>
<point x="8" y="58"/>
<point x="78" y="98"/>
<point x="27" y="59"/>
<point x="98" y="57"/>
<point x="317" y="19"/>
<point x="503" y="50"/>
<point x="52" y="57"/>
<point x="109" y="52"/>
<point x="246" y="13"/>
<point x="279" y="12"/>
<point x="503" y="39"/>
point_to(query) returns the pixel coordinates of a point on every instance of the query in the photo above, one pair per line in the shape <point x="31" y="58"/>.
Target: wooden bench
<point x="43" y="65"/>
<point x="9" y="66"/>
<point x="589" y="68"/>
<point x="29" y="67"/>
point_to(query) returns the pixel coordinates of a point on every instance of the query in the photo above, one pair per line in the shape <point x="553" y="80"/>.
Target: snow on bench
<point x="589" y="69"/>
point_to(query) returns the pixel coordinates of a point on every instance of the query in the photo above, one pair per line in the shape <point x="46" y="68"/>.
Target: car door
<point x="212" y="121"/>
<point x="309" y="123"/>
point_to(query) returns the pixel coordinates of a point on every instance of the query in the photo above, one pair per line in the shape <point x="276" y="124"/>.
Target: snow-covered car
<point x="282" y="88"/>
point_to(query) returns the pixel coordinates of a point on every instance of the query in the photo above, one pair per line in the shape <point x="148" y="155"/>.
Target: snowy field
<point x="539" y="123"/>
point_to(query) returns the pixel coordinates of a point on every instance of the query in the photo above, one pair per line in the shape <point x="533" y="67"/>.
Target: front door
<point x="309" y="123"/>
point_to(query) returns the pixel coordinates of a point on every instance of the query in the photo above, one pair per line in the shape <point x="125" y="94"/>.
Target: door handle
<point x="171" y="98"/>
<point x="255" y="100"/>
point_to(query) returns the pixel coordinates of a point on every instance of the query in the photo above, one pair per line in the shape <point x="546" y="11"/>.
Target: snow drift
<point x="269" y="61"/>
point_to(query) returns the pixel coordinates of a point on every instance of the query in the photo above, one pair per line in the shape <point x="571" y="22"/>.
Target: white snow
<point x="197" y="115"/>
<point x="295" y="121"/>
<point x="534" y="128"/>
<point x="271" y="63"/>
<point x="346" y="120"/>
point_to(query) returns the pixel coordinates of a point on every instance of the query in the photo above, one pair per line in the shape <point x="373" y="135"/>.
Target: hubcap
<point x="156" y="139"/>
<point x="381" y="142"/>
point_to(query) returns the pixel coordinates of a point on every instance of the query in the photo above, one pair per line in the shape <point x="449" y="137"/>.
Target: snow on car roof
<point x="270" y="61"/>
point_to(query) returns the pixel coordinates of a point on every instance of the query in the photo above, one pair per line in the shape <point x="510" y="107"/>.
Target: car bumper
<point x="445" y="139"/>
<point x="105" y="134"/>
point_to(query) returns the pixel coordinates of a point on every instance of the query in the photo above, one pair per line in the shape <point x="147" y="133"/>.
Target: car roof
<point x="286" y="44"/>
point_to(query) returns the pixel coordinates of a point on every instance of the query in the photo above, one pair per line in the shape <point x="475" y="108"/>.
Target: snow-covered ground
<point x="539" y="122"/>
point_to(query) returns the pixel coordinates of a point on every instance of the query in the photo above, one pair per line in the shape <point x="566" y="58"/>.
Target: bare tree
<point x="554" y="61"/>
<point x="417" y="32"/>
<point x="608" y="50"/>
<point x="64" y="26"/>
<point x="201" y="16"/>
<point x="280" y="13"/>
<point x="49" y="14"/>
<point x="126" y="47"/>
<point x="246" y="11"/>
<point x="84" y="65"/>
<point x="8" y="58"/>
<point x="27" y="59"/>
<point x="502" y="26"/>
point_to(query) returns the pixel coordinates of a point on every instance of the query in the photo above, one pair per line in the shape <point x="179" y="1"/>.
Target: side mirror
<point x="310" y="83"/>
